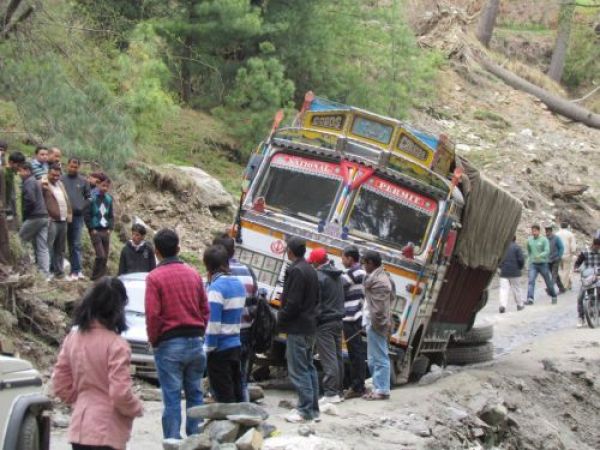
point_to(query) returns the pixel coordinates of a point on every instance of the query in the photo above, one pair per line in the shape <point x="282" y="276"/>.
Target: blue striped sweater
<point x="226" y="299"/>
<point x="354" y="293"/>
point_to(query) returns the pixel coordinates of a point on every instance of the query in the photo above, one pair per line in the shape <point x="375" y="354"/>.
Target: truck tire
<point x="29" y="434"/>
<point x="470" y="354"/>
<point x="476" y="335"/>
<point x="419" y="367"/>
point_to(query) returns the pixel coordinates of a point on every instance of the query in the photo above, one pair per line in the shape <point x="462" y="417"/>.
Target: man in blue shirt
<point x="226" y="298"/>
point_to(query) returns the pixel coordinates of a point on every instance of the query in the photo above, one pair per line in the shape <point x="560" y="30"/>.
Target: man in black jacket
<point x="510" y="276"/>
<point x="137" y="254"/>
<point x="298" y="318"/>
<point x="329" y="325"/>
<point x="35" y="218"/>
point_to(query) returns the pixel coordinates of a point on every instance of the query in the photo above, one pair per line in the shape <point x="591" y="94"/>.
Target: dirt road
<point x="542" y="378"/>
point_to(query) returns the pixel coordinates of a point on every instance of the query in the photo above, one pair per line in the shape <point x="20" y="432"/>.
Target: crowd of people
<point x="553" y="257"/>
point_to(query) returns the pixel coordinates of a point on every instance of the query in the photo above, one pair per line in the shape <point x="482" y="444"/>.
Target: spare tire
<point x="476" y="335"/>
<point x="470" y="354"/>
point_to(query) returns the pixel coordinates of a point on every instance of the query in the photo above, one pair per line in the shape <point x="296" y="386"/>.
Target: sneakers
<point x="81" y="276"/>
<point x="295" y="417"/>
<point x="581" y="323"/>
<point x="330" y="399"/>
<point x="502" y="310"/>
<point x="520" y="307"/>
<point x="529" y="301"/>
<point x="351" y="393"/>
<point x="554" y="300"/>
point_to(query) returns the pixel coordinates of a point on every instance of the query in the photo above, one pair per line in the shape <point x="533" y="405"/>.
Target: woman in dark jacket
<point x="510" y="276"/>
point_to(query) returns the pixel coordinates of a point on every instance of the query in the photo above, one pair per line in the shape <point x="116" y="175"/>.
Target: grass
<point x="495" y="120"/>
<point x="194" y="138"/>
<point x="531" y="27"/>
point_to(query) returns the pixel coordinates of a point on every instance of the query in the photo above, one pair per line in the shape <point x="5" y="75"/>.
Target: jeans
<point x="180" y="363"/>
<point x="302" y="373"/>
<point x="101" y="242"/>
<point x="36" y="232"/>
<point x="90" y="447"/>
<point x="74" y="241"/>
<point x="329" y="346"/>
<point x="544" y="270"/>
<point x="357" y="353"/>
<point x="245" y="362"/>
<point x="554" y="268"/>
<point x="510" y="286"/>
<point x="57" y="239"/>
<point x="379" y="361"/>
<point x="225" y="375"/>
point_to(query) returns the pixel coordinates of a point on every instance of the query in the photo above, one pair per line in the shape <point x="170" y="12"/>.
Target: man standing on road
<point x="298" y="318"/>
<point x="379" y="293"/>
<point x="329" y="325"/>
<point x="538" y="251"/>
<point x="226" y="299"/>
<point x="247" y="277"/>
<point x="35" y="218"/>
<point x="99" y="218"/>
<point x="354" y="299"/>
<point x="556" y="253"/>
<point x="78" y="190"/>
<point x="176" y="317"/>
<point x="566" y="263"/>
<point x="590" y="258"/>
<point x="60" y="213"/>
<point x="39" y="164"/>
<point x="510" y="276"/>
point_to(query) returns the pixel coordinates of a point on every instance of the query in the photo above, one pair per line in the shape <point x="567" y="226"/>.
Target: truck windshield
<point x="393" y="215"/>
<point x="301" y="187"/>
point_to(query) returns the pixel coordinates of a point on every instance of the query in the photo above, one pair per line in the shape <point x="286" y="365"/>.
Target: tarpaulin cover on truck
<point x="489" y="222"/>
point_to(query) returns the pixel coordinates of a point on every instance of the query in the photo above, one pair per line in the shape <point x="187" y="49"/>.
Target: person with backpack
<point x="247" y="277"/>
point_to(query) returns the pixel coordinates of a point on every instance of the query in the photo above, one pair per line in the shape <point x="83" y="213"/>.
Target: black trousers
<point x="225" y="375"/>
<point x="357" y="352"/>
<point x="91" y="447"/>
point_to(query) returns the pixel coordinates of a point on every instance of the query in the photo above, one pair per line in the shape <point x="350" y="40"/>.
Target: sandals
<point x="372" y="396"/>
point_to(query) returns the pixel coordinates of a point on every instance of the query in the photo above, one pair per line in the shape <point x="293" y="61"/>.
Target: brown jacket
<point x="52" y="203"/>
<point x="379" y="294"/>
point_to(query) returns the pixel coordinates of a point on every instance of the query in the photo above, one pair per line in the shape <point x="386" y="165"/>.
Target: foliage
<point x="260" y="89"/>
<point x="583" y="59"/>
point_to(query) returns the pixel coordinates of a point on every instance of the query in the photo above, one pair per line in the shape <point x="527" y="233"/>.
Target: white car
<point x="142" y="358"/>
<point x="24" y="425"/>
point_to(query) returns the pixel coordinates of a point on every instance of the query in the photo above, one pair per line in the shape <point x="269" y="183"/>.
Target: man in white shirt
<point x="59" y="212"/>
<point x="566" y="263"/>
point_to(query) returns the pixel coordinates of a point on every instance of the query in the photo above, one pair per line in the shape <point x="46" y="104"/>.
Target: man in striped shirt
<point x="226" y="298"/>
<point x="247" y="277"/>
<point x="354" y="299"/>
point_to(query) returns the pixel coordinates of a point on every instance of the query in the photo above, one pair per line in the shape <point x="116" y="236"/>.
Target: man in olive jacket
<point x="377" y="317"/>
<point x="298" y="318"/>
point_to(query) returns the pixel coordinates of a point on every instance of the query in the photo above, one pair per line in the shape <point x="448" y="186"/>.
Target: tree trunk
<point x="189" y="42"/>
<point x="554" y="102"/>
<point x="559" y="55"/>
<point x="487" y="21"/>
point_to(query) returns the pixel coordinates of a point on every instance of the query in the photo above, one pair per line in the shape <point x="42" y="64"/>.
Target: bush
<point x="583" y="60"/>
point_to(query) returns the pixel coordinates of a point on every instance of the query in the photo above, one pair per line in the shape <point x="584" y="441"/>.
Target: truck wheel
<point x="29" y="434"/>
<point x="470" y="354"/>
<point x="476" y="335"/>
<point x="419" y="367"/>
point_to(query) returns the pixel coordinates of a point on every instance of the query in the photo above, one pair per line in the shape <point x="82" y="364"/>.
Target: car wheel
<point x="470" y="354"/>
<point x="29" y="434"/>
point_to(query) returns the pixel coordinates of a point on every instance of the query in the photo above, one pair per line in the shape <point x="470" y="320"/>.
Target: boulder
<point x="196" y="442"/>
<point x="255" y="392"/>
<point x="222" y="430"/>
<point x="250" y="440"/>
<point x="266" y="429"/>
<point x="209" y="190"/>
<point x="494" y="414"/>
<point x="220" y="411"/>
<point x="247" y="421"/>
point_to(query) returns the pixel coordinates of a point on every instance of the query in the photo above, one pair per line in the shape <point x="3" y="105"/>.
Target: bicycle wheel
<point x="592" y="310"/>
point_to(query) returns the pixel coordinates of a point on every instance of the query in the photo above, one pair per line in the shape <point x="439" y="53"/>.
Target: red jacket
<point x="176" y="304"/>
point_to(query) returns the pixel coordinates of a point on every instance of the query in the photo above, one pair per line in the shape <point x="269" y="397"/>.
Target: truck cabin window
<point x="301" y="187"/>
<point x="390" y="214"/>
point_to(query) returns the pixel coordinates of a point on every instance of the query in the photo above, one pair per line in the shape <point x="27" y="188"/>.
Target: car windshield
<point x="393" y="215"/>
<point x="301" y="187"/>
<point x="136" y="290"/>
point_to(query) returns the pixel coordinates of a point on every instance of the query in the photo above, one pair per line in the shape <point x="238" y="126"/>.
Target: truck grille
<point x="140" y="348"/>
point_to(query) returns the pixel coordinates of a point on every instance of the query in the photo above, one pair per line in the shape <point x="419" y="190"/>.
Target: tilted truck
<point x="344" y="176"/>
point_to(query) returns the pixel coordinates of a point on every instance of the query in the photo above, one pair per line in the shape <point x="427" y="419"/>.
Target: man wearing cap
<point x="329" y="325"/>
<point x="557" y="250"/>
<point x="298" y="318"/>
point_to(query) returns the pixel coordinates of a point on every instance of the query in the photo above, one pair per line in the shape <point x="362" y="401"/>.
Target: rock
<point x="220" y="411"/>
<point x="303" y="443"/>
<point x="247" y="421"/>
<point x="222" y="430"/>
<point x="527" y="132"/>
<point x="196" y="442"/>
<point x="329" y="409"/>
<point x="494" y="414"/>
<point x="456" y="414"/>
<point x="549" y="366"/>
<point x="266" y="429"/>
<point x="210" y="191"/>
<point x="151" y="395"/>
<point x="250" y="440"/>
<point x="255" y="392"/>
<point x="305" y="430"/>
<point x="60" y="420"/>
<point x="286" y="404"/>
<point x="227" y="446"/>
<point x="171" y="444"/>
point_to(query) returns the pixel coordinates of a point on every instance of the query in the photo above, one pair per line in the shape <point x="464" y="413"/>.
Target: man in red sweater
<point x="176" y="316"/>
